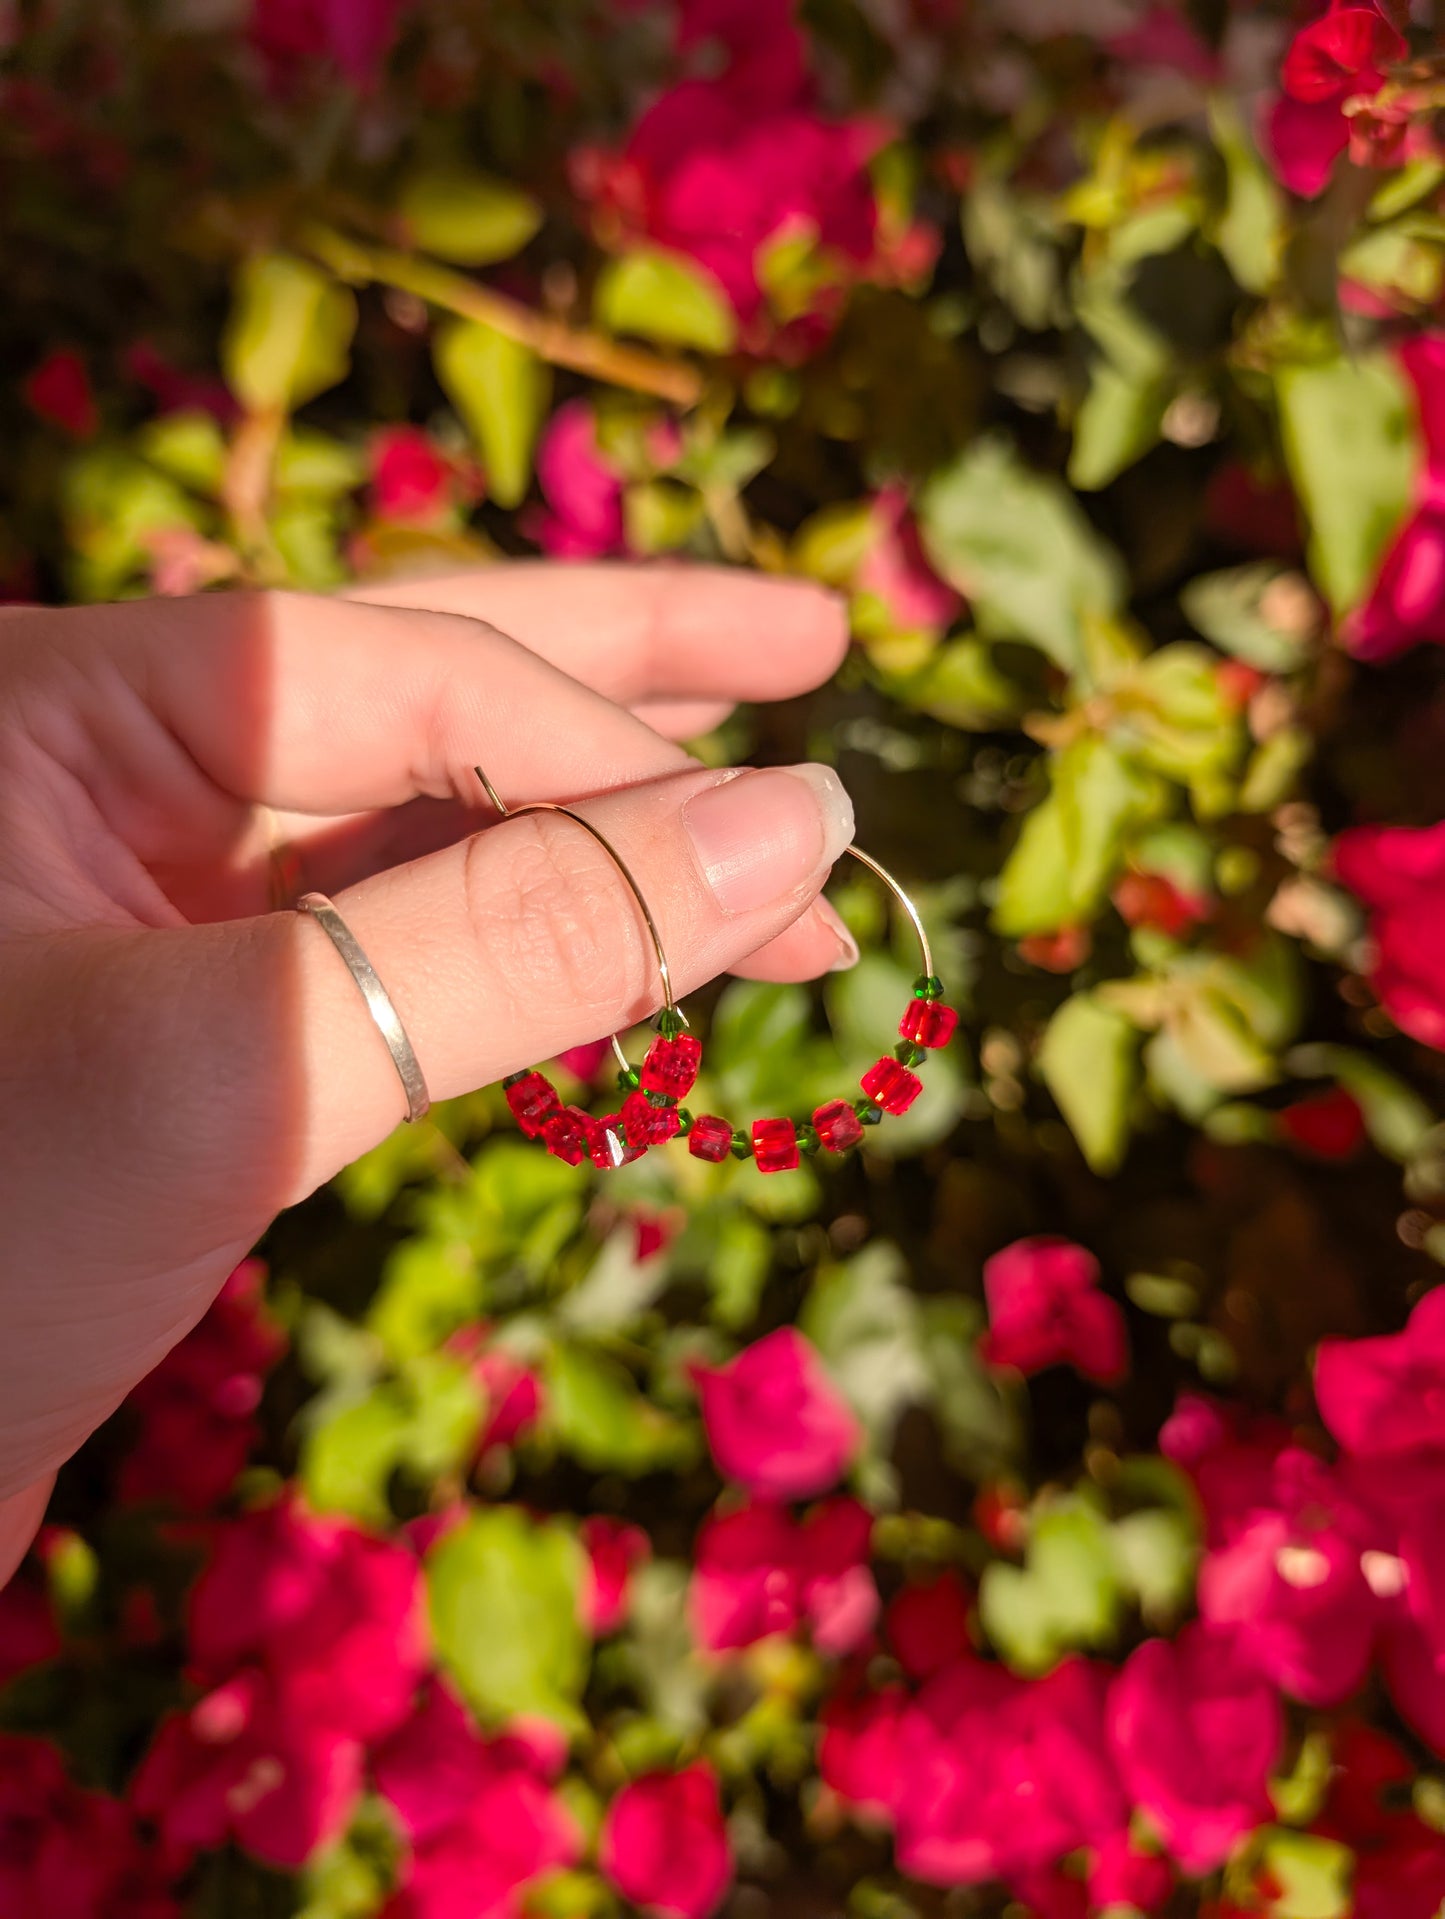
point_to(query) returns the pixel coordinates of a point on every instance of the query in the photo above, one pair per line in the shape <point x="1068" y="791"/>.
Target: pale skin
<point x="178" y="1062"/>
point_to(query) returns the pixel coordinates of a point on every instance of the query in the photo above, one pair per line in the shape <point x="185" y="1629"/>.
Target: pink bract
<point x="581" y="487"/>
<point x="614" y="1551"/>
<point x="1195" y="1732"/>
<point x="1386" y="1396"/>
<point x="1045" y="1309"/>
<point x="664" y="1844"/>
<point x="1399" y="872"/>
<point x="775" y="1422"/>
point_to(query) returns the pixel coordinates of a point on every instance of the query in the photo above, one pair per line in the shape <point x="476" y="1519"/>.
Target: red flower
<point x="1399" y="871"/>
<point x="1330" y="1125"/>
<point x="860" y="1749"/>
<point x="775" y="1421"/>
<point x="1045" y="1309"/>
<point x="356" y="35"/>
<point x="1406" y="605"/>
<point x="581" y="487"/>
<point x="58" y="390"/>
<point x="197" y="1409"/>
<point x="480" y="1817"/>
<point x="1384" y="1398"/>
<point x="664" y="1844"/>
<point x="66" y="1852"/>
<point x="1196" y="1732"/>
<point x="928" y="1625"/>
<point x="614" y="1551"/>
<point x="757" y="1572"/>
<point x="28" y="1632"/>
<point x="412" y="480"/>
<point x="1336" y="60"/>
<point x="241" y="1765"/>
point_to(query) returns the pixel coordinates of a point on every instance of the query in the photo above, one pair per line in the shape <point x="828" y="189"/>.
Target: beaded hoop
<point x="651" y="1113"/>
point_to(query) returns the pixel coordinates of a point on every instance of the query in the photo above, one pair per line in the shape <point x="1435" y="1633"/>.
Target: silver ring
<point x="378" y="1001"/>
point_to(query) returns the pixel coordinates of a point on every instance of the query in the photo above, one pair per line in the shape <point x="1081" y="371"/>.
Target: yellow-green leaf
<point x="501" y="389"/>
<point x="663" y="296"/>
<point x="458" y="213"/>
<point x="289" y="333"/>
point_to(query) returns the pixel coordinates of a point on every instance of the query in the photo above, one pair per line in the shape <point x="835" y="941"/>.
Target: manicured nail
<point x="847" y="945"/>
<point x="763" y="834"/>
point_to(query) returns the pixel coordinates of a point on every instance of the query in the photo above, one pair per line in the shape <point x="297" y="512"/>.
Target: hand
<point x="179" y="1063"/>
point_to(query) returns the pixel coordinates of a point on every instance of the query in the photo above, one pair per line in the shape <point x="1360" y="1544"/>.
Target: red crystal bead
<point x="928" y="1022"/>
<point x="671" y="1066"/>
<point x="531" y="1098"/>
<point x="646" y="1124"/>
<point x="775" y="1145"/>
<point x="567" y="1134"/>
<point x="838" y="1127"/>
<point x="710" y="1138"/>
<point x="890" y="1085"/>
<point x="608" y="1143"/>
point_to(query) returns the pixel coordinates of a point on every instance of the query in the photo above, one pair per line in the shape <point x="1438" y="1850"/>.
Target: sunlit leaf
<point x="289" y="333"/>
<point x="663" y="296"/>
<point x="463" y="215"/>
<point x="501" y="389"/>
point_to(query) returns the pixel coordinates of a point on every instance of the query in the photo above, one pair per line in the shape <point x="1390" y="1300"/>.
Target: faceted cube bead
<point x="531" y="1097"/>
<point x="646" y="1124"/>
<point x="775" y="1145"/>
<point x="838" y="1127"/>
<point x="928" y="1023"/>
<point x="567" y="1134"/>
<point x="711" y="1138"/>
<point x="671" y="1065"/>
<point x="608" y="1144"/>
<point x="890" y="1085"/>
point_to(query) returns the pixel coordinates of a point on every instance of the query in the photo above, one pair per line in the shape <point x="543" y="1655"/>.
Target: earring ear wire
<point x="650" y="1112"/>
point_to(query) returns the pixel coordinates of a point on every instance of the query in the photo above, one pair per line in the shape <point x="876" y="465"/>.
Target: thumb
<point x="172" y="1089"/>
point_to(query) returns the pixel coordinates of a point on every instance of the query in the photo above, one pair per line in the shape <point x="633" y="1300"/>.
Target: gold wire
<point x="664" y="972"/>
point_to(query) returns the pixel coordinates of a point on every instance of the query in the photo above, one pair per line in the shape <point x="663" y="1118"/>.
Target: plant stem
<point x="550" y="339"/>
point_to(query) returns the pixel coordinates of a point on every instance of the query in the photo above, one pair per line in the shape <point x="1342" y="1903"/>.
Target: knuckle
<point x="556" y="916"/>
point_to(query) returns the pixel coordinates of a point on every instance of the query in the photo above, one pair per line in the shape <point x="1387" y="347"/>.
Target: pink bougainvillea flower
<point x="241" y="1765"/>
<point x="65" y="1851"/>
<point x="1334" y="61"/>
<point x="1001" y="1778"/>
<point x="836" y="1590"/>
<point x="481" y="1820"/>
<point x="1122" y="1873"/>
<point x="859" y="1753"/>
<point x="354" y="35"/>
<point x="614" y="1552"/>
<point x="1415" y="1682"/>
<point x="1399" y="873"/>
<point x="1406" y="605"/>
<point x="514" y="1398"/>
<point x="928" y="1624"/>
<point x="583" y="490"/>
<point x="1330" y="1125"/>
<point x="775" y="1421"/>
<point x="59" y="391"/>
<point x="1164" y="38"/>
<point x="332" y="1614"/>
<point x="173" y="389"/>
<point x="1399" y="1870"/>
<point x="896" y="571"/>
<point x="28" y="1632"/>
<point x="585" y="1062"/>
<point x="664" y="1844"/>
<point x="745" y="1577"/>
<point x="196" y="1411"/>
<point x="1195" y="1732"/>
<point x="1045" y="1309"/>
<point x="1384" y="1397"/>
<point x="1288" y="1576"/>
<point x="413" y="483"/>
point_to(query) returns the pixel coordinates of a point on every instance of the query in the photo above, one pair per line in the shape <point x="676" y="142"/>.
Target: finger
<point x="681" y="719"/>
<point x="200" y="1078"/>
<point x="650" y="632"/>
<point x="330" y="707"/>
<point x="817" y="942"/>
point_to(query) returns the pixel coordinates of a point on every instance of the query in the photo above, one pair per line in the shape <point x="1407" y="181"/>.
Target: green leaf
<point x="1017" y="544"/>
<point x="666" y="297"/>
<point x="865" y="1322"/>
<point x="1312" y="1875"/>
<point x="190" y="447"/>
<point x="462" y="215"/>
<point x="595" y="1413"/>
<point x="1154" y="1555"/>
<point x="1064" y="1599"/>
<point x="348" y="1457"/>
<point x="661" y="516"/>
<point x="1349" y="441"/>
<point x="288" y="337"/>
<point x="978" y="1425"/>
<point x="1089" y="1061"/>
<point x="1230" y="608"/>
<point x="1072" y="845"/>
<point x="503" y="1594"/>
<point x="1397" y="1120"/>
<point x="1250" y="232"/>
<point x="309" y="462"/>
<point x="429" y="1287"/>
<point x="501" y="389"/>
<point x="1116" y="425"/>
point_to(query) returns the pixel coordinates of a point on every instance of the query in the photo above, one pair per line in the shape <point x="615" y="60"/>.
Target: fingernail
<point x="763" y="834"/>
<point x="847" y="945"/>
